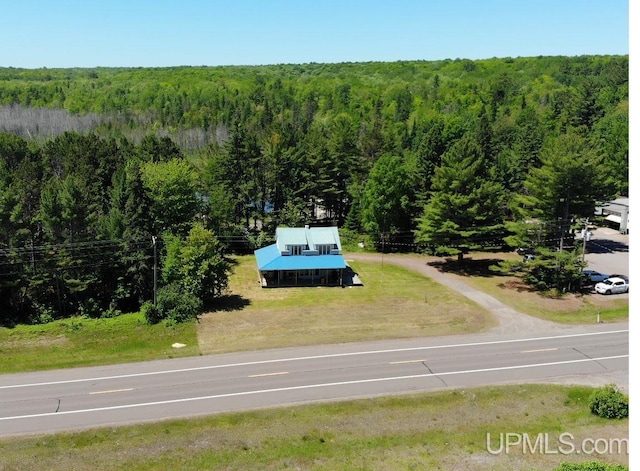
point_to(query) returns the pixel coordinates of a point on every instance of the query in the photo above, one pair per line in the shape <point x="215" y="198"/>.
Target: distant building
<point x="302" y="256"/>
<point x="617" y="213"/>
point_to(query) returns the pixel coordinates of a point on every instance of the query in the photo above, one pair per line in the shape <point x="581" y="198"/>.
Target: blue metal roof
<point x="270" y="259"/>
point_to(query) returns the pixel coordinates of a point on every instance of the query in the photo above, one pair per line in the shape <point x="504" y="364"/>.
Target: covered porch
<point x="307" y="277"/>
<point x="278" y="270"/>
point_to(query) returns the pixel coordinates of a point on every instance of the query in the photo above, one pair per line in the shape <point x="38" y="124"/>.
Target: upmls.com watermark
<point x="546" y="444"/>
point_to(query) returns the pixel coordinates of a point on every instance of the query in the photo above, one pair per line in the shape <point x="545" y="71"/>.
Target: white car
<point x="612" y="286"/>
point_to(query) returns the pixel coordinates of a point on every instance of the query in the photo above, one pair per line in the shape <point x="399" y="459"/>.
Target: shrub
<point x="111" y="311"/>
<point x="44" y="314"/>
<point x="150" y="313"/>
<point x="177" y="304"/>
<point x="90" y="309"/>
<point x="609" y="402"/>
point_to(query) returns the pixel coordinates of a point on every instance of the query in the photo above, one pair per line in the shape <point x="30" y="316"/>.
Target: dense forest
<point x="107" y="173"/>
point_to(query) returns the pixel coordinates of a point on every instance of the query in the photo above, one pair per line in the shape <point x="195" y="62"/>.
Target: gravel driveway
<point x="510" y="320"/>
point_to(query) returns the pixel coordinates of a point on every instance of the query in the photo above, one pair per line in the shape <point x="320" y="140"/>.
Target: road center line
<point x="311" y="386"/>
<point x="312" y="357"/>
<point x="540" y="350"/>
<point x="111" y="391"/>
<point x="405" y="361"/>
<point x="269" y="374"/>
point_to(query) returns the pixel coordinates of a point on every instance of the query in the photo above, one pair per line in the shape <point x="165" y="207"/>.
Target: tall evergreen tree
<point x="570" y="182"/>
<point x="465" y="211"/>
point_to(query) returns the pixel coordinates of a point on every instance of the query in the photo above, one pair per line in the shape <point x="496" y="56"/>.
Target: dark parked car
<point x="624" y="277"/>
<point x="593" y="276"/>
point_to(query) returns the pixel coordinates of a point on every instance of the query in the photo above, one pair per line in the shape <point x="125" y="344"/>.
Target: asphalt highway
<point x="51" y="401"/>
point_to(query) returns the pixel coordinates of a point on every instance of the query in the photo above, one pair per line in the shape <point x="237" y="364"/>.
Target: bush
<point x="177" y="304"/>
<point x="351" y="239"/>
<point x="591" y="466"/>
<point x="111" y="311"/>
<point x="609" y="402"/>
<point x="150" y="313"/>
<point x="90" y="309"/>
<point x="44" y="314"/>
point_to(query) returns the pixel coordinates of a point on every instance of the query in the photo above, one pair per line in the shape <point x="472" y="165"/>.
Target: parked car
<point x="624" y="277"/>
<point x="612" y="286"/>
<point x="594" y="276"/>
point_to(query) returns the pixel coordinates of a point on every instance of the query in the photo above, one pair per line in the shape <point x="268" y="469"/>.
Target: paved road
<point x="119" y="394"/>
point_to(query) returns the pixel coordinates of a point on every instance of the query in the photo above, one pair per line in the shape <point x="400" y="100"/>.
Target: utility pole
<point x="585" y="237"/>
<point x="155" y="270"/>
<point x="565" y="220"/>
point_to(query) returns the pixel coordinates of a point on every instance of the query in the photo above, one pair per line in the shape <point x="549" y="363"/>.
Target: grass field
<point x="444" y="430"/>
<point x="393" y="303"/>
<point x="87" y="342"/>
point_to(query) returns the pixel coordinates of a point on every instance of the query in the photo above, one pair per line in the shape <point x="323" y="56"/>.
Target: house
<point x="302" y="256"/>
<point x="616" y="212"/>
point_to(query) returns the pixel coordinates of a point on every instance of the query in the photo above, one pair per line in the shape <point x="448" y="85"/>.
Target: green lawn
<point x="440" y="430"/>
<point x="570" y="308"/>
<point x="85" y="342"/>
<point x="393" y="303"/>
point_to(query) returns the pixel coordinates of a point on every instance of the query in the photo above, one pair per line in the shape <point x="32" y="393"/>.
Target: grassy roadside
<point x="391" y="305"/>
<point x="88" y="342"/>
<point x="439" y="430"/>
<point x="567" y="309"/>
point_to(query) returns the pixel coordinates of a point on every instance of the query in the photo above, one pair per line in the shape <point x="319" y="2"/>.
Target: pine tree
<point x="465" y="211"/>
<point x="567" y="186"/>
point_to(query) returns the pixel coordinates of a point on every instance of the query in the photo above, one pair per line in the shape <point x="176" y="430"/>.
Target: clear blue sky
<point x="88" y="33"/>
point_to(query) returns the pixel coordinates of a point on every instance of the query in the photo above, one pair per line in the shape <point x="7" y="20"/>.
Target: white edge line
<point x="313" y="357"/>
<point x="309" y="386"/>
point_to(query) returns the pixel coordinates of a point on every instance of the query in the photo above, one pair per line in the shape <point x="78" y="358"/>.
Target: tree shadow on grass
<point x="517" y="285"/>
<point x="229" y="303"/>
<point x="482" y="268"/>
<point x="469" y="267"/>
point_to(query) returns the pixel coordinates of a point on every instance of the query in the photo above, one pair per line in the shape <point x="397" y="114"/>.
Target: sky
<point x="159" y="33"/>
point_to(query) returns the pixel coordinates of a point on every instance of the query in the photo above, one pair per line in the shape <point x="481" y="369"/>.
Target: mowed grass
<point x="569" y="308"/>
<point x="86" y="342"/>
<point x="444" y="430"/>
<point x="393" y="303"/>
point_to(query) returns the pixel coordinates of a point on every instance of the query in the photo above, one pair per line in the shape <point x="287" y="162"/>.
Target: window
<point x="296" y="249"/>
<point x="324" y="249"/>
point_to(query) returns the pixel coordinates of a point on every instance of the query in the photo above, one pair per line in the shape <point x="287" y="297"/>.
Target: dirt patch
<point x="42" y="341"/>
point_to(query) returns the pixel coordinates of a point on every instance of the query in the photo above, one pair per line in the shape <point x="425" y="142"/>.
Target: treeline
<point x="384" y="149"/>
<point x="86" y="221"/>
